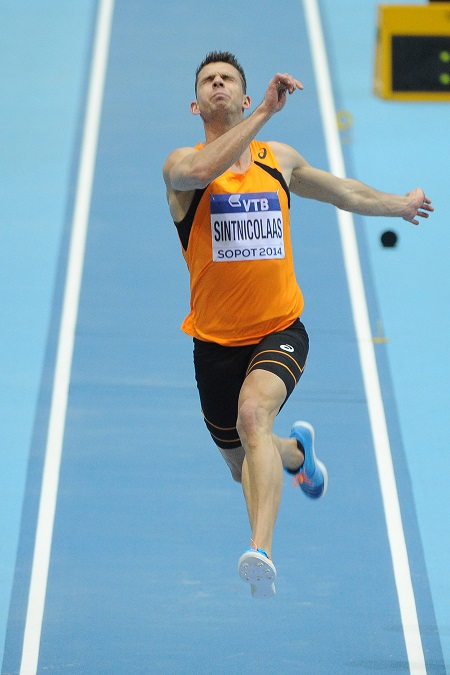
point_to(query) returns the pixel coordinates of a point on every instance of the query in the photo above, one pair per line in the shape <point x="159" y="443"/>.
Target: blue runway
<point x="148" y="525"/>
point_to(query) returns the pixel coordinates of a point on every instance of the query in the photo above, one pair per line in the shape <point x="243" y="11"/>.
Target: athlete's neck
<point x="243" y="163"/>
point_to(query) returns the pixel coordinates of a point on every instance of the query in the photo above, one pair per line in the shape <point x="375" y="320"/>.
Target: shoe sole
<point x="321" y="465"/>
<point x="325" y="481"/>
<point x="257" y="570"/>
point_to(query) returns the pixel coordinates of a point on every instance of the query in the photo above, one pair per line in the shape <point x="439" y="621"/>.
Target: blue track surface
<point x="149" y="525"/>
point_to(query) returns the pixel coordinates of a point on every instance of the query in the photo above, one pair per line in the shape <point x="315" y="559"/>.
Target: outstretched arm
<point x="349" y="194"/>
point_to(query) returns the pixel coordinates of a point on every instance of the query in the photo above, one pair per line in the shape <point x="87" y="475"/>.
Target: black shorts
<point x="220" y="372"/>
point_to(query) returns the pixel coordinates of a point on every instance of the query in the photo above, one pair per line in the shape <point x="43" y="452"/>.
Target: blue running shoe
<point x="256" y="568"/>
<point x="312" y="476"/>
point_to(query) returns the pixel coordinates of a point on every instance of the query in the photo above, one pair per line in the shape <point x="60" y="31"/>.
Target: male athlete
<point x="229" y="198"/>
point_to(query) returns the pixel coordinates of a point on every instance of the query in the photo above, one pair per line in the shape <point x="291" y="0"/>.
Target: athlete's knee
<point x="259" y="401"/>
<point x="253" y="420"/>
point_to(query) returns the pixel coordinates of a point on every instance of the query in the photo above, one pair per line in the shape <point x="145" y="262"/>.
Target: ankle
<point x="294" y="462"/>
<point x="264" y="551"/>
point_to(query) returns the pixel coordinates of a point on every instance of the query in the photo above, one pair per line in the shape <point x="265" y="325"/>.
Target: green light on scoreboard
<point x="444" y="78"/>
<point x="420" y="63"/>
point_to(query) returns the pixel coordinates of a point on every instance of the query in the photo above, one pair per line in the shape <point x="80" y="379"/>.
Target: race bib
<point x="246" y="227"/>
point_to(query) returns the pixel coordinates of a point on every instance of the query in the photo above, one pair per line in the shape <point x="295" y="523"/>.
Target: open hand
<point x="419" y="206"/>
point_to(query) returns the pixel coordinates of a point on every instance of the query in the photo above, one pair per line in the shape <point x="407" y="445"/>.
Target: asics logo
<point x="287" y="348"/>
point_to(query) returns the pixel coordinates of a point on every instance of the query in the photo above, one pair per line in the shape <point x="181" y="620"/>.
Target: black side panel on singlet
<point x="278" y="176"/>
<point x="184" y="226"/>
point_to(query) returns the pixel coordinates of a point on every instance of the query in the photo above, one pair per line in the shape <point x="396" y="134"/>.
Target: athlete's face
<point x="219" y="90"/>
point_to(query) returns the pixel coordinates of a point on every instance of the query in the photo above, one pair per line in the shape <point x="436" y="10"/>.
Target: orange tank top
<point x="236" y="242"/>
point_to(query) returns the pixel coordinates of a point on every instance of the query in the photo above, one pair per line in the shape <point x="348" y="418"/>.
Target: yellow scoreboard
<point x="412" y="61"/>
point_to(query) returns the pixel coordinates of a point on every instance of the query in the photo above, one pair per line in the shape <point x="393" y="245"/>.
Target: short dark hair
<point x="223" y="57"/>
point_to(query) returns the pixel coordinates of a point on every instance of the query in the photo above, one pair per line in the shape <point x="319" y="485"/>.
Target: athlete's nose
<point x="218" y="82"/>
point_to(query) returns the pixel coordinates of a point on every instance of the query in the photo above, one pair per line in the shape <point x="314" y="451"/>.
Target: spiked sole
<point x="257" y="570"/>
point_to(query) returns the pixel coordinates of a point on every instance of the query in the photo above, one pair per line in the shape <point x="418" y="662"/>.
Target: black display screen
<point x="421" y="63"/>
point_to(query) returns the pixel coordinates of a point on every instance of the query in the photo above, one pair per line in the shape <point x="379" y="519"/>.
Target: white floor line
<point x="58" y="409"/>
<point x="361" y="320"/>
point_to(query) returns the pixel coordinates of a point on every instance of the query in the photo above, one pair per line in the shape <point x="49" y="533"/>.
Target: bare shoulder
<point x="288" y="158"/>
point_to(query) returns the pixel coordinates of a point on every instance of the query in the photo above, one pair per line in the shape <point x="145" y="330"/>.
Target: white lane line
<point x="61" y="382"/>
<point x="397" y="543"/>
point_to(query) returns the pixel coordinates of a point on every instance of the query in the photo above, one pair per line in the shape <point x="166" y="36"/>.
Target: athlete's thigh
<point x="220" y="372"/>
<point x="282" y="354"/>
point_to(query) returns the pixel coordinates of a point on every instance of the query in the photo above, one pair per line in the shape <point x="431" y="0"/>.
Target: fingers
<point x="421" y="206"/>
<point x="280" y="84"/>
<point x="424" y="209"/>
<point x="420" y="214"/>
<point x="426" y="204"/>
<point x="286" y="82"/>
<point x="423" y="201"/>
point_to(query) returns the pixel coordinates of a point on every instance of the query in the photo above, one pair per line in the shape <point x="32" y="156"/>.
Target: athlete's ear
<point x="247" y="102"/>
<point x="195" y="110"/>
